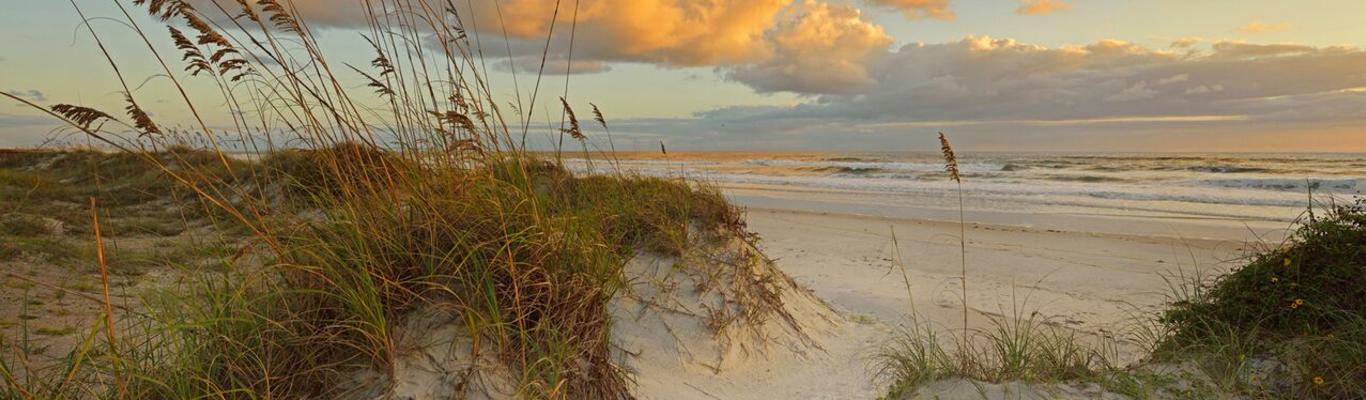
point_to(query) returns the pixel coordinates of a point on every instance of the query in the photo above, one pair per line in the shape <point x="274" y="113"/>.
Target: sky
<point x="886" y="75"/>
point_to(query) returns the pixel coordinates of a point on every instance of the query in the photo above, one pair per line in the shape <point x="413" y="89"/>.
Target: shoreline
<point x="1097" y="284"/>
<point x="1119" y="222"/>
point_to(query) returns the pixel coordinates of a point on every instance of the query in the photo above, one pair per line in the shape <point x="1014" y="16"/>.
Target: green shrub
<point x="1312" y="286"/>
<point x="1303" y="304"/>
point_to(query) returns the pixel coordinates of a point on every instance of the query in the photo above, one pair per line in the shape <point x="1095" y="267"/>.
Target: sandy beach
<point x="1093" y="274"/>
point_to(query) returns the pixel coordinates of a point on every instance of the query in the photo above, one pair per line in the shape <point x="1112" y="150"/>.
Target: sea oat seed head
<point x="573" y="129"/>
<point x="597" y="116"/>
<point x="950" y="160"/>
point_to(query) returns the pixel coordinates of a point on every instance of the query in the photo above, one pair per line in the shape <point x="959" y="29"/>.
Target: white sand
<point x="1085" y="272"/>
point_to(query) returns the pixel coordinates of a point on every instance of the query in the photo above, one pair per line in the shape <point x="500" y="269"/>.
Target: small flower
<point x="1275" y="279"/>
<point x="1297" y="303"/>
<point x="1318" y="380"/>
<point x="1286" y="262"/>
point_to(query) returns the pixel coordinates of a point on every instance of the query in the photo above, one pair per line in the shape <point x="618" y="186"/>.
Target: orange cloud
<point x="919" y="9"/>
<point x="660" y="31"/>
<point x="805" y="46"/>
<point x="1259" y="27"/>
<point x="817" y="48"/>
<point x="671" y="32"/>
<point x="1041" y="7"/>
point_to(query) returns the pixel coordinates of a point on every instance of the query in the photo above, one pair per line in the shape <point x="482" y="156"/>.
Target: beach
<point x="1096" y="265"/>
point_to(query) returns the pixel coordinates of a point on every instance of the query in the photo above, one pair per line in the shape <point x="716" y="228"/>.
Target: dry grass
<point x="380" y="204"/>
<point x="1018" y="345"/>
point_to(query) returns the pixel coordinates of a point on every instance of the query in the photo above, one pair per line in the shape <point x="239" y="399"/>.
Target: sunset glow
<point x="804" y="74"/>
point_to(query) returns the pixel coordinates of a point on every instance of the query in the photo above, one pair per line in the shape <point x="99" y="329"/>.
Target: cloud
<point x="31" y="94"/>
<point x="1202" y="89"/>
<point x="553" y="66"/>
<point x="1259" y="27"/>
<point x="818" y="48"/>
<point x="1041" y="7"/>
<point x="1244" y="50"/>
<point x="18" y="121"/>
<point x="667" y="32"/>
<point x="1174" y="79"/>
<point x="1013" y="90"/>
<point x="658" y="31"/>
<point x="803" y="46"/>
<point x="1186" y="42"/>
<point x="919" y="9"/>
<point x="1139" y="91"/>
<point x="987" y="78"/>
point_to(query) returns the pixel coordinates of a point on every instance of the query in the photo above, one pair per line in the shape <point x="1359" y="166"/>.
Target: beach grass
<point x="1019" y="347"/>
<point x="351" y="228"/>
<point x="1288" y="323"/>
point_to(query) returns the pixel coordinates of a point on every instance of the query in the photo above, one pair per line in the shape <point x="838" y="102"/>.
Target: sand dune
<point x="1094" y="281"/>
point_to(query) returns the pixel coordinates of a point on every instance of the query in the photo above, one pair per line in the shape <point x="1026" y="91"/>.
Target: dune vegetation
<point x="1287" y="323"/>
<point x="343" y="212"/>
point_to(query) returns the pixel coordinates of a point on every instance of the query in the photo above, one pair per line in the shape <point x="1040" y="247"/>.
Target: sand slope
<point x="673" y="336"/>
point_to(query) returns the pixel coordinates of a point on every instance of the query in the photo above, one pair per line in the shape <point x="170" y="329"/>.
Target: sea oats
<point x="950" y="160"/>
<point x="195" y="60"/>
<point x="597" y="116"/>
<point x="280" y="17"/>
<point x="573" y="129"/>
<point x="380" y="88"/>
<point x="81" y="116"/>
<point x="141" y="120"/>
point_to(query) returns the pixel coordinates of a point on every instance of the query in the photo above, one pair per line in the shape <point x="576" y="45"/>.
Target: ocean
<point x="1259" y="187"/>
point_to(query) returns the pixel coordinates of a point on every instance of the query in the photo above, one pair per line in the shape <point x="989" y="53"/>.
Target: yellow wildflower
<point x="1297" y="303"/>
<point x="1286" y="262"/>
<point x="1318" y="380"/>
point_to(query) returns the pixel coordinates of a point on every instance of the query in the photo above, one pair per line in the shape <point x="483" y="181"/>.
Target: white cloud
<point x="818" y="48"/>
